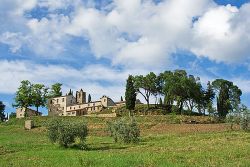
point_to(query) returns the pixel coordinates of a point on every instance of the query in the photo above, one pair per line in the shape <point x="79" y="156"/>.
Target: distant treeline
<point x="36" y="95"/>
<point x="181" y="93"/>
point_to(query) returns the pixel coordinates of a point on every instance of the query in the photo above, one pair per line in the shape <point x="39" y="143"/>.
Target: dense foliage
<point x="124" y="131"/>
<point x="228" y="98"/>
<point x="24" y="95"/>
<point x="39" y="95"/>
<point x="55" y="90"/>
<point x="130" y="94"/>
<point x="36" y="95"/>
<point x="184" y="94"/>
<point x="245" y="120"/>
<point x="146" y="85"/>
<point x="2" y="108"/>
<point x="67" y="132"/>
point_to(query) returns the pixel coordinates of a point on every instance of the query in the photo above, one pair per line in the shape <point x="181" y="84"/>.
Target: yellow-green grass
<point x="165" y="147"/>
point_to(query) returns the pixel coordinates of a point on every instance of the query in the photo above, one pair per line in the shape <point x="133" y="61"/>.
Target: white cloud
<point x="16" y="7"/>
<point x="221" y="36"/>
<point x="132" y="32"/>
<point x="14" y="40"/>
<point x="46" y="35"/>
<point x="91" y="78"/>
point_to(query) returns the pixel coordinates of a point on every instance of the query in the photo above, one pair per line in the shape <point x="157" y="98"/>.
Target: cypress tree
<point x="223" y="103"/>
<point x="209" y="96"/>
<point x="70" y="92"/>
<point x="121" y="98"/>
<point x="89" y="98"/>
<point x="2" y="115"/>
<point x="130" y="94"/>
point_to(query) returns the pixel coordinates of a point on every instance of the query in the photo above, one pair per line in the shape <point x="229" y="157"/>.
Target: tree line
<point x="176" y="91"/>
<point x="35" y="95"/>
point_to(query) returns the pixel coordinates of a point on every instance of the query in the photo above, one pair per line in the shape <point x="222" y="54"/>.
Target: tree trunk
<point x="181" y="106"/>
<point x="148" y="103"/>
<point x="156" y="101"/>
<point x="25" y="111"/>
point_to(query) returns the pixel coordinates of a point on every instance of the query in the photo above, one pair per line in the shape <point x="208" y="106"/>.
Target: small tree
<point x="66" y="132"/>
<point x="2" y="108"/>
<point x="146" y="86"/>
<point x="245" y="119"/>
<point x="130" y="95"/>
<point x="23" y="97"/>
<point x="123" y="131"/>
<point x="89" y="98"/>
<point x="39" y="95"/>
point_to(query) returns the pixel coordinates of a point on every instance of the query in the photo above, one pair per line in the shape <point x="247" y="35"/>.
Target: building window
<point x="51" y="101"/>
<point x="104" y="100"/>
<point x="79" y="106"/>
<point x="70" y="108"/>
<point x="73" y="112"/>
<point x="62" y="99"/>
<point x="57" y="100"/>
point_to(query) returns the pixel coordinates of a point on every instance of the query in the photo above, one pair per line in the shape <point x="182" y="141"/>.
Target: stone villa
<point x="20" y="112"/>
<point x="70" y="105"/>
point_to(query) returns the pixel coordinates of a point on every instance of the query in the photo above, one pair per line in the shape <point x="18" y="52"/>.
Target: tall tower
<point x="80" y="97"/>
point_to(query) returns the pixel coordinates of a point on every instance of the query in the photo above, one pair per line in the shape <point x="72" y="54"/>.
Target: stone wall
<point x="102" y="115"/>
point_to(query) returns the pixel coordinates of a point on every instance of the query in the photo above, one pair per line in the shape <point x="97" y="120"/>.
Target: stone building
<point x="21" y="113"/>
<point x="70" y="105"/>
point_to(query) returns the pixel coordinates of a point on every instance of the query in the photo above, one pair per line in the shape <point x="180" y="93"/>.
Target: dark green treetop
<point x="130" y="94"/>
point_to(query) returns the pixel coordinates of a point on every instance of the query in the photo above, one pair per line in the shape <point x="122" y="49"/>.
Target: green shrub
<point x="124" y="131"/>
<point x="233" y="119"/>
<point x="175" y="118"/>
<point x="66" y="132"/>
<point x="12" y="115"/>
<point x="245" y="122"/>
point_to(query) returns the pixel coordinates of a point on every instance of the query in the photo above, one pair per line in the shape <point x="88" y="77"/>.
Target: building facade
<point x="70" y="105"/>
<point x="21" y="113"/>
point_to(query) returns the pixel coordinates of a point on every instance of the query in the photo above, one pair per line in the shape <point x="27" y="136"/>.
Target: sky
<point x="95" y="45"/>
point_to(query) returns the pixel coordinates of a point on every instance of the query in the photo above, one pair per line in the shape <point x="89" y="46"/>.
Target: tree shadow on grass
<point x="104" y="147"/>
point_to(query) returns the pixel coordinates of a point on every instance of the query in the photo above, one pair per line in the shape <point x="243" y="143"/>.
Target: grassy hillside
<point x="162" y="144"/>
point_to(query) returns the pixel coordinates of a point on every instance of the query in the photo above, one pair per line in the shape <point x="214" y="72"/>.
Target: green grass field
<point x="162" y="144"/>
